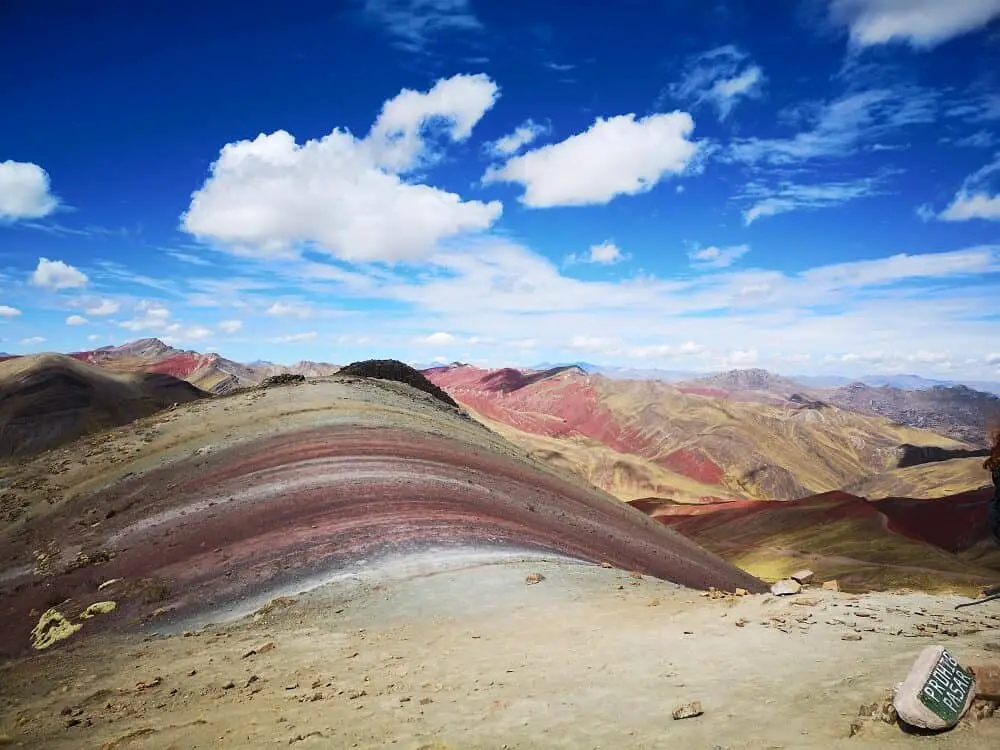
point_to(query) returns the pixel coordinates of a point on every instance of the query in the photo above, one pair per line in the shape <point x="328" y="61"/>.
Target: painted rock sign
<point x="937" y="692"/>
<point x="947" y="688"/>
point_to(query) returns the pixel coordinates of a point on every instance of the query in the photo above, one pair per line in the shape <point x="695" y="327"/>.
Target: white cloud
<point x="789" y="196"/>
<point x="194" y="260"/>
<point x="920" y="23"/>
<point x="743" y="357"/>
<point x="56" y="275"/>
<point x="974" y="206"/>
<point x="439" y="338"/>
<point x="596" y="345"/>
<point x="293" y="338"/>
<point x="6" y="311"/>
<point x="976" y="198"/>
<point x="283" y="309"/>
<point x="837" y="127"/>
<point x="721" y="77"/>
<point x="267" y="196"/>
<point x="24" y="191"/>
<point x="195" y="333"/>
<point x="397" y="140"/>
<point x="94" y="337"/>
<point x="606" y="253"/>
<point x="615" y="156"/>
<point x="33" y="340"/>
<point x="717" y="257"/>
<point x="76" y="320"/>
<point x="514" y="142"/>
<point x="993" y="359"/>
<point x="104" y="307"/>
<point x="413" y="24"/>
<point x="152" y="316"/>
<point x="230" y="326"/>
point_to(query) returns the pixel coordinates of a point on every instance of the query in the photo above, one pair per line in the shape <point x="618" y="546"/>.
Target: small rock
<point x="229" y="685"/>
<point x="833" y="585"/>
<point x="293" y="686"/>
<point x="262" y="649"/>
<point x="98" y="608"/>
<point x="151" y="684"/>
<point x="802" y="576"/>
<point x="850" y="637"/>
<point x="533" y="578"/>
<point x="425" y="701"/>
<point x="741" y="592"/>
<point x="785" y="587"/>
<point x="741" y="622"/>
<point x="688" y="710"/>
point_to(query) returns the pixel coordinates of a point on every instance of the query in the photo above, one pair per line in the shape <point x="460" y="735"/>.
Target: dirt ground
<point x="471" y="655"/>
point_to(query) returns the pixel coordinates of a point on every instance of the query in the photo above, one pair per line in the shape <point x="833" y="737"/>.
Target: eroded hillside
<point x="687" y="442"/>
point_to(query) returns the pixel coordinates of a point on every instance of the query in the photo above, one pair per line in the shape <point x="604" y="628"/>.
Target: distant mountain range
<point x="745" y="434"/>
<point x="904" y="382"/>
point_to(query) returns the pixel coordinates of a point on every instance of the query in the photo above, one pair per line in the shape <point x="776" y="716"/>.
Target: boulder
<point x="802" y="576"/>
<point x="785" y="587"/>
<point x="936" y="693"/>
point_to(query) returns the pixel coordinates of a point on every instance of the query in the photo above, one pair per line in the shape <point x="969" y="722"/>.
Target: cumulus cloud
<point x="399" y="138"/>
<point x="439" y="338"/>
<point x="150" y="316"/>
<point x="104" y="307"/>
<point x="615" y="156"/>
<point x="717" y="257"/>
<point x="24" y="191"/>
<point x="230" y="326"/>
<point x="920" y="23"/>
<point x="56" y="275"/>
<point x="978" y="198"/>
<point x="76" y="320"/>
<point x="721" y="77"/>
<point x="606" y="253"/>
<point x="33" y="340"/>
<point x="6" y="311"/>
<point x="342" y="194"/>
<point x="515" y="141"/>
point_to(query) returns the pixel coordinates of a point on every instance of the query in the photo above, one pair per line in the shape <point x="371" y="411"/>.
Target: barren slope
<point x="722" y="447"/>
<point x="231" y="499"/>
<point x="958" y="411"/>
<point x="49" y="399"/>
<point x="885" y="544"/>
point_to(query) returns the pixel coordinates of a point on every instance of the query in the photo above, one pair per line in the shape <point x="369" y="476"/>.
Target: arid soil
<point x="477" y="657"/>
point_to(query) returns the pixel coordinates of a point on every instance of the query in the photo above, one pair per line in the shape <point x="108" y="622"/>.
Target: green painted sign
<point x="947" y="689"/>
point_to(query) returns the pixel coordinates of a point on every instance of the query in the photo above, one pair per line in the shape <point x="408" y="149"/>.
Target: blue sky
<point x="811" y="186"/>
